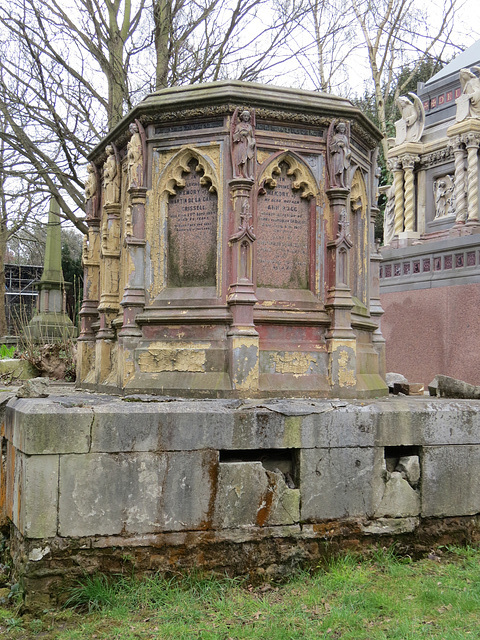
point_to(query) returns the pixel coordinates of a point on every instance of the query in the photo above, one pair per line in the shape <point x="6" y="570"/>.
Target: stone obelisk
<point x="51" y="322"/>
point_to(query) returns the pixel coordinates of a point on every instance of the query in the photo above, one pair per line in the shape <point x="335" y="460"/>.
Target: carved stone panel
<point x="192" y="233"/>
<point x="283" y="236"/>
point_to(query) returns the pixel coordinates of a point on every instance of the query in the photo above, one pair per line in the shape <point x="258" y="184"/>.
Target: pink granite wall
<point x="430" y="331"/>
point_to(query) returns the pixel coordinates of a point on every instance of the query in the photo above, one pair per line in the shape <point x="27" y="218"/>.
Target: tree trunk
<point x="162" y="16"/>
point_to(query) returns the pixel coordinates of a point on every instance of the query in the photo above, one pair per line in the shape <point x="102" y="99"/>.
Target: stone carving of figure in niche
<point x="468" y="104"/>
<point x="243" y="144"/>
<point x="135" y="157"/>
<point x="339" y="156"/>
<point x="389" y="214"/>
<point x="91" y="191"/>
<point x="444" y="193"/>
<point x="410" y="127"/>
<point x="111" y="177"/>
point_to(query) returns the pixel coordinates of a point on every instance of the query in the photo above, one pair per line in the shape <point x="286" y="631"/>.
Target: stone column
<point x="340" y="338"/>
<point x="89" y="309"/>
<point x="408" y="163"/>
<point x="471" y="142"/>
<point x="460" y="202"/>
<point x="133" y="301"/>
<point x="110" y="251"/>
<point x="243" y="337"/>
<point x="399" y="201"/>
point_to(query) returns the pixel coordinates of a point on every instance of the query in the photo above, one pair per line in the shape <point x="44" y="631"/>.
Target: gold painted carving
<point x="302" y="176"/>
<point x="174" y="356"/>
<point x="358" y="194"/>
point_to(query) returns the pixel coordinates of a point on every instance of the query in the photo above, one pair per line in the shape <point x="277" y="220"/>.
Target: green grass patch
<point x="376" y="598"/>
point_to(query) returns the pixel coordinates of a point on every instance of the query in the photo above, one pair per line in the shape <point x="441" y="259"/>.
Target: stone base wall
<point x="91" y="482"/>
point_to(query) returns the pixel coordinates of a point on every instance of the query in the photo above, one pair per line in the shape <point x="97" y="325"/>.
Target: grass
<point x="381" y="597"/>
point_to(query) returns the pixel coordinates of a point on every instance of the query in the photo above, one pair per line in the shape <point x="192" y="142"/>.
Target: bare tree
<point x="328" y="28"/>
<point x="395" y="33"/>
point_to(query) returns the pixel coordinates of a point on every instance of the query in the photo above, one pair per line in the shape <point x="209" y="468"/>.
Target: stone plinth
<point x="231" y="485"/>
<point x="211" y="266"/>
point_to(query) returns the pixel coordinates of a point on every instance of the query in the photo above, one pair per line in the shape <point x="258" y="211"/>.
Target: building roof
<point x="468" y="58"/>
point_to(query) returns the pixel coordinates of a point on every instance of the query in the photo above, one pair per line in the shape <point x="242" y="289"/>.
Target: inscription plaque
<point x="192" y="234"/>
<point x="283" y="236"/>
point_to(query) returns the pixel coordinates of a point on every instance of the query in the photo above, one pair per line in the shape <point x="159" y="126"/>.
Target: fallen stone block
<point x="409" y="467"/>
<point x="399" y="499"/>
<point x="448" y="387"/>
<point x="34" y="388"/>
<point x="409" y="388"/>
<point x="392" y="378"/>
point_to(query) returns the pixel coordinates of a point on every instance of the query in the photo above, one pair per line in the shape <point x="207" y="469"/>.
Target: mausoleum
<point x="430" y="274"/>
<point x="230" y="247"/>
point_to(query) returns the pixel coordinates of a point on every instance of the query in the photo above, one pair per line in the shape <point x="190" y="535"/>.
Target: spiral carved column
<point x="472" y="141"/>
<point x="408" y="162"/>
<point x="460" y="201"/>
<point x="399" y="204"/>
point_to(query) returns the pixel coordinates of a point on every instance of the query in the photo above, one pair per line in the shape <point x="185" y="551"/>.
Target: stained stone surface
<point x="283" y="236"/>
<point x="192" y="234"/>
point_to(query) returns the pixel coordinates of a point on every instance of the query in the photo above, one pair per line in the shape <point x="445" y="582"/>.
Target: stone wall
<point x="250" y="487"/>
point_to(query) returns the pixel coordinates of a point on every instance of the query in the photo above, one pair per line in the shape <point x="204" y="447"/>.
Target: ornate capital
<point x="472" y="140"/>
<point x="408" y="161"/>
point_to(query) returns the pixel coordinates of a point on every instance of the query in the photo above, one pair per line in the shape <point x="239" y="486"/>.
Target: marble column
<point x="460" y="201"/>
<point x="399" y="199"/>
<point x="472" y="141"/>
<point x="408" y="163"/>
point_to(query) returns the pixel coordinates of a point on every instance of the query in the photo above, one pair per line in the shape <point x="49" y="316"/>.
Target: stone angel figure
<point x="338" y="154"/>
<point x="468" y="104"/>
<point x="91" y="192"/>
<point x="136" y="155"/>
<point x="111" y="175"/>
<point x="243" y="144"/>
<point x="410" y="126"/>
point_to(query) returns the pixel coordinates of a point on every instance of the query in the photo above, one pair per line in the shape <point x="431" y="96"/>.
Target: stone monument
<point x="51" y="322"/>
<point x="230" y="248"/>
<point x="431" y="258"/>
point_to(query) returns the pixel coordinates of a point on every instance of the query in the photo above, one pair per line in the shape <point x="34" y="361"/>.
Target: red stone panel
<point x="192" y="234"/>
<point x="283" y="237"/>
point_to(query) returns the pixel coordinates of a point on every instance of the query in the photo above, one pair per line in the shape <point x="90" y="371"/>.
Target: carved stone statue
<point x="389" y="214"/>
<point x="444" y="192"/>
<point x="468" y="104"/>
<point x="91" y="195"/>
<point x="111" y="177"/>
<point x="410" y="127"/>
<point x="135" y="157"/>
<point x="243" y="145"/>
<point x="339" y="156"/>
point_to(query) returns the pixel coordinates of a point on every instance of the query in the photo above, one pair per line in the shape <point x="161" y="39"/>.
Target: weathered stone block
<point x="37" y="426"/>
<point x="409" y="467"/>
<point x="399" y="500"/>
<point x="249" y="495"/>
<point x="337" y="483"/>
<point x="34" y="495"/>
<point x="450" y="480"/>
<point x="106" y="494"/>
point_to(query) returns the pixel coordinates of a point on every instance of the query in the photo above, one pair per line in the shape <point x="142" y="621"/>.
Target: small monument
<point x="51" y="322"/>
<point x="229" y="251"/>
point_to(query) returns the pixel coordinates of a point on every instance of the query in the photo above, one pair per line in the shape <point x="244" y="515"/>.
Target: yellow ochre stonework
<point x="297" y="363"/>
<point x="177" y="356"/>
